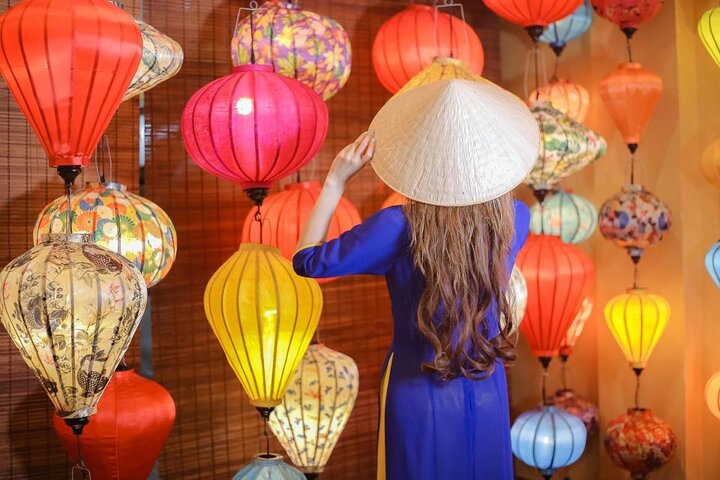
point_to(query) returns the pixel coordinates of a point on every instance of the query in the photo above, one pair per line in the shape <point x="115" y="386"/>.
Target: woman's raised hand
<point x="351" y="160"/>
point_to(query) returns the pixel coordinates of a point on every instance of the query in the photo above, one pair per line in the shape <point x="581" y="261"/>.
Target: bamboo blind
<point x="216" y="430"/>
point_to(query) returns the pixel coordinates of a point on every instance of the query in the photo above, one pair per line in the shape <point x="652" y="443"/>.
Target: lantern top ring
<point x="267" y="456"/>
<point x="65" y="238"/>
<point x="111" y="185"/>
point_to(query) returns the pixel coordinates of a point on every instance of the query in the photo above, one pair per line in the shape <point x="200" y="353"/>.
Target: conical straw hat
<point x="454" y="142"/>
<point x="442" y="68"/>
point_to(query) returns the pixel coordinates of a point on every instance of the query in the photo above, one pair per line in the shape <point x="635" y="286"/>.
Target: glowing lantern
<point x="712" y="263"/>
<point x="568" y="215"/>
<point x="299" y="44"/>
<point x="712" y="394"/>
<point x="118" y="220"/>
<point x="559" y="33"/>
<point x="393" y="199"/>
<point x="631" y="94"/>
<point x="548" y="439"/>
<point x="71" y="308"/>
<point x="268" y="467"/>
<point x="559" y="277"/>
<point x="410" y="40"/>
<point x="264" y="316"/>
<point x="634" y="219"/>
<point x="518" y="293"/>
<point x="533" y="15"/>
<point x="637" y="320"/>
<point x="125" y="437"/>
<point x="254" y="127"/>
<point x="70" y="91"/>
<point x="639" y="442"/>
<point x="442" y="68"/>
<point x="627" y="14"/>
<point x="569" y="401"/>
<point x="576" y="328"/>
<point x="708" y="29"/>
<point x="710" y="163"/>
<point x="316" y="407"/>
<point x="569" y="98"/>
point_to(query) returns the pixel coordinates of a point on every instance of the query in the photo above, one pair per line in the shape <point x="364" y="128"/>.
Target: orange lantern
<point x="394" y="199"/>
<point x="630" y="94"/>
<point x="411" y="39"/>
<point x="570" y="98"/>
<point x="533" y="15"/>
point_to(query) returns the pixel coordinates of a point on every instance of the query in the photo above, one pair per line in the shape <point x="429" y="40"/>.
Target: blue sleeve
<point x="370" y="248"/>
<point x="522" y="228"/>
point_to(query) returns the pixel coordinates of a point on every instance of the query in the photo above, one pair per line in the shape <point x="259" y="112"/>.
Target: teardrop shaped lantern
<point x="125" y="437"/>
<point x="393" y="199"/>
<point x="559" y="277"/>
<point x="518" y="294"/>
<point x="576" y="328"/>
<point x="568" y="215"/>
<point x="548" y="439"/>
<point x="634" y="219"/>
<point x="640" y="442"/>
<point x="268" y="466"/>
<point x="316" y="407"/>
<point x="709" y="30"/>
<point x="710" y="163"/>
<point x="627" y="14"/>
<point x="263" y="315"/>
<point x="570" y="98"/>
<point x="410" y="40"/>
<point x="570" y="402"/>
<point x="71" y="308"/>
<point x="254" y="127"/>
<point x="533" y="15"/>
<point x="637" y="320"/>
<point x="712" y="394"/>
<point x="298" y="43"/>
<point x="631" y="94"/>
<point x="712" y="263"/>
<point x="559" y="33"/>
<point x="69" y="92"/>
<point x="120" y="221"/>
<point x="441" y="68"/>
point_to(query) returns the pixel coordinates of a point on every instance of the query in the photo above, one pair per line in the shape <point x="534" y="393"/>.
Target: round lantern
<point x="70" y="91"/>
<point x="559" y="277"/>
<point x="393" y="199"/>
<point x="576" y="328"/>
<point x="627" y="14"/>
<point x="533" y="15"/>
<point x="640" y="442"/>
<point x="566" y="147"/>
<point x="118" y="220"/>
<point x="710" y="163"/>
<point x="548" y="439"/>
<point x="569" y="401"/>
<point x="518" y="295"/>
<point x="411" y="39"/>
<point x="254" y="127"/>
<point x="568" y="215"/>
<point x="712" y="394"/>
<point x="264" y="316"/>
<point x="126" y="435"/>
<point x="559" y="33"/>
<point x="71" y="308"/>
<point x="268" y="466"/>
<point x="441" y="68"/>
<point x="637" y="320"/>
<point x="316" y="407"/>
<point x="712" y="263"/>
<point x="569" y="98"/>
<point x="709" y="29"/>
<point x="299" y="44"/>
<point x="631" y="94"/>
<point x="634" y="219"/>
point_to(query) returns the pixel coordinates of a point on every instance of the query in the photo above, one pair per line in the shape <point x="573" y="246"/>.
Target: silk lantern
<point x="712" y="394"/>
<point x="71" y="308"/>
<point x="518" y="294"/>
<point x="316" y="407"/>
<point x="631" y="94"/>
<point x="268" y="466"/>
<point x="569" y="401"/>
<point x="559" y="33"/>
<point x="576" y="328"/>
<point x="254" y="127"/>
<point x="637" y="320"/>
<point x="569" y="98"/>
<point x="393" y="199"/>
<point x="639" y="442"/>
<point x="634" y="219"/>
<point x="298" y="43"/>
<point x="68" y="65"/>
<point x="627" y="14"/>
<point x="118" y="220"/>
<point x="548" y="439"/>
<point x="568" y="215"/>
<point x="125" y="437"/>
<point x="411" y="39"/>
<point x="264" y="316"/>
<point x="710" y="163"/>
<point x="533" y="15"/>
<point x="709" y="30"/>
<point x="441" y="68"/>
<point x="559" y="277"/>
<point x="712" y="263"/>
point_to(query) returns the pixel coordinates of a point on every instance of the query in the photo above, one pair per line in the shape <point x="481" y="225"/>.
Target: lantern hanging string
<point x="637" y="388"/>
<point x="563" y="368"/>
<point x="449" y="4"/>
<point x="628" y="44"/>
<point x="252" y="7"/>
<point x="80" y="467"/>
<point x="635" y="274"/>
<point x="259" y="219"/>
<point x="543" y="387"/>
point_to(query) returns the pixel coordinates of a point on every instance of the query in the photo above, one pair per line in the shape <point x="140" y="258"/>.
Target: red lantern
<point x="533" y="15"/>
<point x="410" y="40"/>
<point x="559" y="276"/>
<point x="124" y="438"/>
<point x="254" y="127"/>
<point x="68" y="65"/>
<point x="627" y="14"/>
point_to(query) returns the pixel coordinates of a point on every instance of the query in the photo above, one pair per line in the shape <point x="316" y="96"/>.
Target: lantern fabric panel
<point x="565" y="96"/>
<point x="712" y="263"/>
<point x="627" y="14"/>
<point x="71" y="308"/>
<point x="532" y="13"/>
<point x="268" y="467"/>
<point x="569" y="401"/>
<point x="559" y="33"/>
<point x="576" y="327"/>
<point x="518" y="294"/>
<point x="70" y="92"/>
<point x="710" y="163"/>
<point x="441" y="68"/>
<point x="568" y="215"/>
<point x="712" y="394"/>
<point x="709" y="31"/>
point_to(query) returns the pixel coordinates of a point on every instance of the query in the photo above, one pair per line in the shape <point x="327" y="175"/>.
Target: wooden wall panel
<point x="216" y="429"/>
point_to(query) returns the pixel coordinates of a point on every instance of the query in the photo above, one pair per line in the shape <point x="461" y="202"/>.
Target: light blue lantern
<point x="571" y="216"/>
<point x="558" y="34"/>
<point x="548" y="439"/>
<point x="712" y="263"/>
<point x="268" y="467"/>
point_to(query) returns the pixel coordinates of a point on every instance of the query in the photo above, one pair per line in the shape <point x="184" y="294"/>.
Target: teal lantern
<point x="268" y="466"/>
<point x="568" y="215"/>
<point x="558" y="34"/>
<point x="712" y="263"/>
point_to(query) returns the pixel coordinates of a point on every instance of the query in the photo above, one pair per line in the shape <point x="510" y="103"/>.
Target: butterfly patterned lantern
<point x="627" y="14"/>
<point x="568" y="97"/>
<point x="569" y="215"/>
<point x="559" y="33"/>
<point x="268" y="466"/>
<point x="533" y="15"/>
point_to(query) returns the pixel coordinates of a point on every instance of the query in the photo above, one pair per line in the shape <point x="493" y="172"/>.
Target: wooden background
<point x="216" y="430"/>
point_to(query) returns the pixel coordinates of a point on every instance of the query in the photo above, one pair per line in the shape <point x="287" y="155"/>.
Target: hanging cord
<point x="252" y="7"/>
<point x="258" y="218"/>
<point x="449" y="4"/>
<point x="267" y="436"/>
<point x="563" y="372"/>
<point x="80" y="468"/>
<point x="628" y="44"/>
<point x="557" y="66"/>
<point x="544" y="381"/>
<point x="69" y="220"/>
<point x="637" y="388"/>
<point x="635" y="274"/>
<point x="632" y="169"/>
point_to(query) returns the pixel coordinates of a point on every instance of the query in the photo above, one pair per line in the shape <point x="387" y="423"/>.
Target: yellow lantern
<point x="637" y="320"/>
<point x="712" y="394"/>
<point x="709" y="29"/>
<point x="264" y="316"/>
<point x="442" y="68"/>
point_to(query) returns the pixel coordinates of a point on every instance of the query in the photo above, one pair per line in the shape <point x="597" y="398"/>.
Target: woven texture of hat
<point x="454" y="142"/>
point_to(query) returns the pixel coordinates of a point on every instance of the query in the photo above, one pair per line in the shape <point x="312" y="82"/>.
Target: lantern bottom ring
<point x="77" y="424"/>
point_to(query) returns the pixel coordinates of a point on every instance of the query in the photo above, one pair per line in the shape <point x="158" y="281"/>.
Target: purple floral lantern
<point x="570" y="402"/>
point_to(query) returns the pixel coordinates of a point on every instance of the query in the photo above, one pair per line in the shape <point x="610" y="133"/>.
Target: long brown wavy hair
<point x="463" y="252"/>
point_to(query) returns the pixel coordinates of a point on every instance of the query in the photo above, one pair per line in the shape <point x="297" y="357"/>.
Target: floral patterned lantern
<point x="712" y="263"/>
<point x="118" y="220"/>
<point x="634" y="219"/>
<point x="441" y="68"/>
<point x="712" y="394"/>
<point x="316" y="407"/>
<point x="709" y="29"/>
<point x="568" y="215"/>
<point x="639" y="442"/>
<point x="569" y="98"/>
<point x="71" y="308"/>
<point x="393" y="199"/>
<point x="533" y="15"/>
<point x="627" y="14"/>
<point x="576" y="328"/>
<point x="559" y="33"/>
<point x="299" y="44"/>
<point x="710" y="163"/>
<point x="268" y="466"/>
<point x="569" y="401"/>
